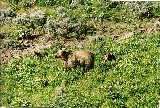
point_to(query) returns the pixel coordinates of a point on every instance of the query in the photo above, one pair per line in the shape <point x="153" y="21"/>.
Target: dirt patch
<point x="33" y="45"/>
<point x="117" y="31"/>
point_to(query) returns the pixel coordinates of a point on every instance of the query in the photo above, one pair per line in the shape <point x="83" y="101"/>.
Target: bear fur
<point x="72" y="59"/>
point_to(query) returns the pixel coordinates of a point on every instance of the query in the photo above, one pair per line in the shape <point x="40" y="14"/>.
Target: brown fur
<point x="72" y="59"/>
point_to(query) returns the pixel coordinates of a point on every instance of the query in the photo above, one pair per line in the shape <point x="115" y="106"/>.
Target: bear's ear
<point x="65" y="54"/>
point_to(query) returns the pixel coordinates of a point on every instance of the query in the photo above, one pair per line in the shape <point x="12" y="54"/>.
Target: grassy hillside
<point x="133" y="80"/>
<point x="128" y="30"/>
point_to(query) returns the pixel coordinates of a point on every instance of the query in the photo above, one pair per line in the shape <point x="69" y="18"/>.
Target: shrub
<point x="32" y="21"/>
<point x="37" y="17"/>
<point x="141" y="9"/>
<point x="14" y="1"/>
<point x="13" y="44"/>
<point x="65" y="27"/>
<point x="7" y="13"/>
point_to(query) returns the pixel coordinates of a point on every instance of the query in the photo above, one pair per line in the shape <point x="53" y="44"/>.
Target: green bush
<point x="142" y="9"/>
<point x="67" y="27"/>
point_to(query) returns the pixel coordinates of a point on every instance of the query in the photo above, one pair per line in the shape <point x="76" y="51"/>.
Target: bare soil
<point x="117" y="31"/>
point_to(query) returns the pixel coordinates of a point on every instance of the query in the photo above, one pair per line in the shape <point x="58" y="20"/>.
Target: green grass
<point x="133" y="80"/>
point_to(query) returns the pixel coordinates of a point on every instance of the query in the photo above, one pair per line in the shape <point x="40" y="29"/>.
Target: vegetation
<point x="132" y="80"/>
<point x="70" y="19"/>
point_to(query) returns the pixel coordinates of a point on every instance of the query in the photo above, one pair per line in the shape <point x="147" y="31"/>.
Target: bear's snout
<point x="56" y="56"/>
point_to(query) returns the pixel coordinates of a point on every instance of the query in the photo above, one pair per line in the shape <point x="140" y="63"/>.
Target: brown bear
<point x="40" y="53"/>
<point x="72" y="59"/>
<point x="109" y="57"/>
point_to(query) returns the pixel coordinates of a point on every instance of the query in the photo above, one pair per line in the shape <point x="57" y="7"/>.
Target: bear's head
<point x="62" y="54"/>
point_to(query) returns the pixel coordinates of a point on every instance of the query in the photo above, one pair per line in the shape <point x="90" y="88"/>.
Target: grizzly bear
<point x="73" y="59"/>
<point x="109" y="57"/>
